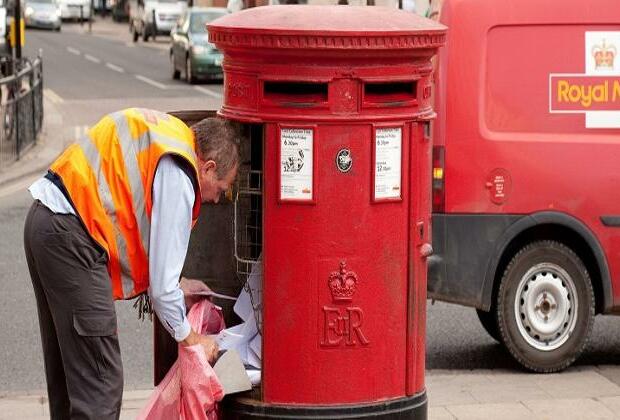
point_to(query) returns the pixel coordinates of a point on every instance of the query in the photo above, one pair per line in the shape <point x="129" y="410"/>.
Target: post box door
<point x="335" y="267"/>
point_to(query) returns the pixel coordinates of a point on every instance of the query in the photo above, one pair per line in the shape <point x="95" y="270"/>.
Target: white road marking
<point x="91" y="58"/>
<point x="115" y="67"/>
<point x="52" y="96"/>
<point x="130" y="44"/>
<point x="151" y="82"/>
<point x="209" y="92"/>
<point x="73" y="51"/>
<point x="20" y="185"/>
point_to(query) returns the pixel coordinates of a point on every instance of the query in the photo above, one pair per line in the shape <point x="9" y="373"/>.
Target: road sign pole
<point x="17" y="27"/>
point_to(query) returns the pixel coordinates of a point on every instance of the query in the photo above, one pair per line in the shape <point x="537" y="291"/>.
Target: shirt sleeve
<point x="171" y="223"/>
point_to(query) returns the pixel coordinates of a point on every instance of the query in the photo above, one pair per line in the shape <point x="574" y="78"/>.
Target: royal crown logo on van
<point x="595" y="93"/>
<point x="604" y="55"/>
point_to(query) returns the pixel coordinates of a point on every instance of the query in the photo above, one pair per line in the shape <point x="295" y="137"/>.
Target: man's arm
<point x="171" y="222"/>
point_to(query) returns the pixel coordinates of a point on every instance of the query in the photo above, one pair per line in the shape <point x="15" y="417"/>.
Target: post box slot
<point x="295" y="94"/>
<point x="390" y="93"/>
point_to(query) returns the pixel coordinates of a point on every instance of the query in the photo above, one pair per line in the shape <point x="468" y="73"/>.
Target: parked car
<point x="120" y="10"/>
<point x="98" y="6"/>
<point x="43" y="14"/>
<point x="190" y="51"/>
<point x="75" y="9"/>
<point x="149" y="18"/>
<point x="525" y="176"/>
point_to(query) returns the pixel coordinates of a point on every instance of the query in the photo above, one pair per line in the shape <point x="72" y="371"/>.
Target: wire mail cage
<point x="248" y="233"/>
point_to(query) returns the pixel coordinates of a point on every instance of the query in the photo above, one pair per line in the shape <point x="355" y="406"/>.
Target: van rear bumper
<point x="464" y="245"/>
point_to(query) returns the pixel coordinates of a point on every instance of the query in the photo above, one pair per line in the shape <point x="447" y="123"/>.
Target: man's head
<point x="217" y="147"/>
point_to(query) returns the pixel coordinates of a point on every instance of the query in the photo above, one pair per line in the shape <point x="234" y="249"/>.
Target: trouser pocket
<point x="98" y="335"/>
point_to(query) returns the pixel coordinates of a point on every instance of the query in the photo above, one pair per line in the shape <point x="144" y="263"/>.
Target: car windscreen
<point x="198" y="21"/>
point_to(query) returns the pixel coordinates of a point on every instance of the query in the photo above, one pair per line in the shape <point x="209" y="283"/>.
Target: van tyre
<point x="488" y="320"/>
<point x="545" y="307"/>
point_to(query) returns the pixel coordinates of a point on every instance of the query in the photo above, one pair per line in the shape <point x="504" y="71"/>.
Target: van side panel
<point x="464" y="245"/>
<point x="495" y="99"/>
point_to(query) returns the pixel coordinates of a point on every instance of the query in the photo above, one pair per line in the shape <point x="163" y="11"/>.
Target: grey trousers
<point x="77" y="317"/>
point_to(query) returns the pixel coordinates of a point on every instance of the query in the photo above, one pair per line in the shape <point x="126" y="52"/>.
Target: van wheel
<point x="545" y="307"/>
<point x="488" y="320"/>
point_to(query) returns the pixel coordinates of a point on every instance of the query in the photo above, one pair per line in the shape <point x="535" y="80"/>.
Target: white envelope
<point x="231" y="373"/>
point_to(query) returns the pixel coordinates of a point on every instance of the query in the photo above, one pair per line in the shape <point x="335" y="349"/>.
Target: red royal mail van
<point x="526" y="218"/>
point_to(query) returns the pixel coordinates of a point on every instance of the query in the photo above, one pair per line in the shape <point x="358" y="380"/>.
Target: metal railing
<point x="21" y="107"/>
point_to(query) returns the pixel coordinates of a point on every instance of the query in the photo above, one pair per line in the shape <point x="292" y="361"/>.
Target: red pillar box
<point x="338" y="97"/>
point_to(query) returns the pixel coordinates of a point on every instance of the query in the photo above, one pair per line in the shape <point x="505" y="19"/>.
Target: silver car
<point x="42" y="14"/>
<point x="75" y="9"/>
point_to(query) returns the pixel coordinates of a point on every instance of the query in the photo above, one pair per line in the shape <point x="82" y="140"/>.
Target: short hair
<point x="218" y="139"/>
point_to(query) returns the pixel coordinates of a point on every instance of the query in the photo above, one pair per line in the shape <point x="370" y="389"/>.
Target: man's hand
<point x="208" y="344"/>
<point x="191" y="290"/>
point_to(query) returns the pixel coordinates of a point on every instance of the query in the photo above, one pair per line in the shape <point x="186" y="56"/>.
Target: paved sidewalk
<point x="588" y="392"/>
<point x="37" y="159"/>
<point x="585" y="392"/>
<point x="34" y="406"/>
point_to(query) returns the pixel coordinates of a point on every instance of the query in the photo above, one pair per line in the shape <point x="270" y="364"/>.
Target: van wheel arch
<point x="559" y="227"/>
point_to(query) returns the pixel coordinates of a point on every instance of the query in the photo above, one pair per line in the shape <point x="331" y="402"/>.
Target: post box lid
<point x="326" y="28"/>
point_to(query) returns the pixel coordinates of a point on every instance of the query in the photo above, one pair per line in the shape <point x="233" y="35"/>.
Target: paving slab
<point x="511" y="377"/>
<point x="498" y="393"/>
<point x="443" y="395"/>
<point x="457" y="378"/>
<point x="129" y="414"/>
<point x="134" y="404"/>
<point x="613" y="403"/>
<point x="503" y="411"/>
<point x="569" y="409"/>
<point x="577" y="384"/>
<point x="439" y="413"/>
<point x="21" y="407"/>
<point x="611" y="372"/>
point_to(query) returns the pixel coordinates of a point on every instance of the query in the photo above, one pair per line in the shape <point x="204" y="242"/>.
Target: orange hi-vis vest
<point x="108" y="177"/>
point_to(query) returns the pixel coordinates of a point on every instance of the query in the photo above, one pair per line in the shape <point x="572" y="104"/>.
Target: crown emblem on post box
<point x="342" y="283"/>
<point x="604" y="55"/>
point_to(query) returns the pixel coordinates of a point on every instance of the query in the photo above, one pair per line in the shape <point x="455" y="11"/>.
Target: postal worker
<point x="111" y="220"/>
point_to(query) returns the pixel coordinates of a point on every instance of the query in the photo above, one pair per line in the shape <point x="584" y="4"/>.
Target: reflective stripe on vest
<point x="109" y="176"/>
<point x="94" y="159"/>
